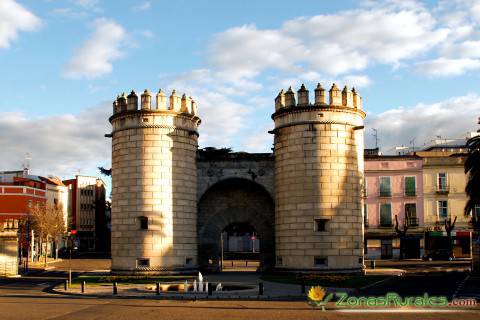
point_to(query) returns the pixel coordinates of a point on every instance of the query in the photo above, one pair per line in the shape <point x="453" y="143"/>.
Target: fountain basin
<point x="180" y="287"/>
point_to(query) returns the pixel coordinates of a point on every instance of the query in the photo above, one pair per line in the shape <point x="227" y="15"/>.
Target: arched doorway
<point x="235" y="205"/>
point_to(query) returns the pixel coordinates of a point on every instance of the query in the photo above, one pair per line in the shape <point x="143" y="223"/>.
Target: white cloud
<point x="147" y="34"/>
<point x="223" y="117"/>
<point x="259" y="140"/>
<point x="58" y="144"/>
<point x="87" y="4"/>
<point x="450" y="119"/>
<point x="15" y="18"/>
<point x="333" y="44"/>
<point x="466" y="49"/>
<point x="94" y="58"/>
<point x="357" y="81"/>
<point x="143" y="6"/>
<point x="447" y="67"/>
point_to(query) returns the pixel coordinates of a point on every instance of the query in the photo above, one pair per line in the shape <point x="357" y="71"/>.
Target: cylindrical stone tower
<point x="154" y="183"/>
<point x="318" y="150"/>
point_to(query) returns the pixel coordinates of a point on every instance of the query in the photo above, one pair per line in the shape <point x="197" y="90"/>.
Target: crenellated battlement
<point x="337" y="98"/>
<point x="182" y="104"/>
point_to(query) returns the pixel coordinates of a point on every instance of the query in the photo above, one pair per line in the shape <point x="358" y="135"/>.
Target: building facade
<point x="19" y="193"/>
<point x="87" y="207"/>
<point x="394" y="187"/>
<point x="445" y="198"/>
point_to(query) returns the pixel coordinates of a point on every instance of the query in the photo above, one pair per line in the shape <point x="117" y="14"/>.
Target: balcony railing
<point x="385" y="224"/>
<point x="385" y="193"/>
<point x="412" y="221"/>
<point x="410" y="192"/>
<point x="443" y="189"/>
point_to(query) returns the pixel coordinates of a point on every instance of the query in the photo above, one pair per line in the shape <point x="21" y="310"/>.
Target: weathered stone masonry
<point x="318" y="177"/>
<point x="304" y="201"/>
<point x="154" y="181"/>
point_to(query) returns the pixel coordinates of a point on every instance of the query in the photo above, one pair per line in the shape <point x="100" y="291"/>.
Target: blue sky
<point x="63" y="61"/>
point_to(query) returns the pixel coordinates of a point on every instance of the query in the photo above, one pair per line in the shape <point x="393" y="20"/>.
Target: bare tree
<point x="401" y="232"/>
<point x="48" y="223"/>
<point x="449" y="226"/>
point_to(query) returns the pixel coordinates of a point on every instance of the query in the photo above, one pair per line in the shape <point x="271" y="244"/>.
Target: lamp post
<point x="221" y="246"/>
<point x="70" y="246"/>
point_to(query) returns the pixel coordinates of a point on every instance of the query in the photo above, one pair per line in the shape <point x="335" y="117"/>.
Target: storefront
<point x="461" y="241"/>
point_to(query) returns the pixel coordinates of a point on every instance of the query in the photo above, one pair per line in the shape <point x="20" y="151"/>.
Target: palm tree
<point x="472" y="169"/>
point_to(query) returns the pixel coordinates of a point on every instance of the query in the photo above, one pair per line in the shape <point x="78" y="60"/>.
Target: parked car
<point x="439" y="254"/>
<point x="64" y="253"/>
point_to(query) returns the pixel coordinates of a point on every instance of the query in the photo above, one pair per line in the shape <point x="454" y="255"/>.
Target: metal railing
<point x="412" y="221"/>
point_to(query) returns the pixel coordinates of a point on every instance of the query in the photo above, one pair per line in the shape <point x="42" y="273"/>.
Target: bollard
<point x="372" y="264"/>
<point x="115" y="290"/>
<point x="303" y="287"/>
<point x="66" y="285"/>
<point x="83" y="287"/>
<point x="157" y="288"/>
<point x="260" y="289"/>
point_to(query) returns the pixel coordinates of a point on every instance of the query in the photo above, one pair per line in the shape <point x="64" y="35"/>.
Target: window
<point x="143" y="263"/>
<point x="410" y="186"/>
<point x="320" y="261"/>
<point x="385" y="215"/>
<point x="442" y="182"/>
<point x="143" y="221"/>
<point x="365" y="215"/>
<point x="321" y="224"/>
<point x="411" y="214"/>
<point x="442" y="206"/>
<point x="385" y="188"/>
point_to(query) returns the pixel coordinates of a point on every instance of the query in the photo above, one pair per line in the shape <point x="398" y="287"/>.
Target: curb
<point x="379" y="281"/>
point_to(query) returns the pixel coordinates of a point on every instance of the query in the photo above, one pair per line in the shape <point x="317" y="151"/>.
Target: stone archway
<point x="229" y="201"/>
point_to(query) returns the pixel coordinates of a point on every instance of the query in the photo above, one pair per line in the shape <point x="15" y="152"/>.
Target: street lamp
<point x="70" y="246"/>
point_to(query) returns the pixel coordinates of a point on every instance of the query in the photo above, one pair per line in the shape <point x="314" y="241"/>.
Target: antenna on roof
<point x="412" y="143"/>
<point x="26" y="165"/>
<point x="375" y="135"/>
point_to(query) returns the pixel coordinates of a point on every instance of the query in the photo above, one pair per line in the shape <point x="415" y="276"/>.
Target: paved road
<point x="416" y="284"/>
<point x="25" y="299"/>
<point x="20" y="308"/>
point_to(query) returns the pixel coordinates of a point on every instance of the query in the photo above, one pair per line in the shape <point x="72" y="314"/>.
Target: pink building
<point x="393" y="187"/>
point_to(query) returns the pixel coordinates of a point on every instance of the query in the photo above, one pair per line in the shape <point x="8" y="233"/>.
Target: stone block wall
<point x="318" y="177"/>
<point x="154" y="178"/>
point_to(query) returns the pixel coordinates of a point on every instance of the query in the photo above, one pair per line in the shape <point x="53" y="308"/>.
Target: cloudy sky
<point x="415" y="63"/>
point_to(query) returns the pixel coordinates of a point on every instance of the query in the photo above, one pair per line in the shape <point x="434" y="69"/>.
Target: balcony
<point x="443" y="189"/>
<point x="412" y="221"/>
<point x="410" y="193"/>
<point x="385" y="194"/>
